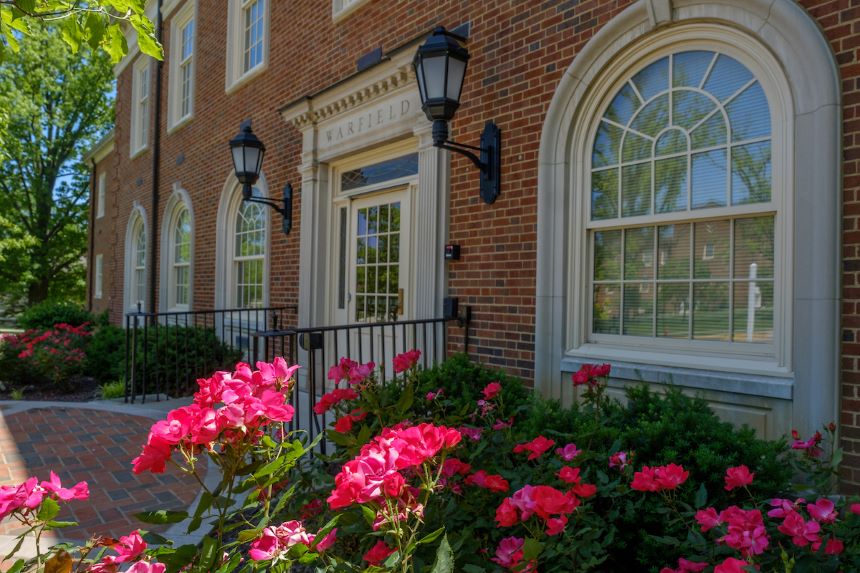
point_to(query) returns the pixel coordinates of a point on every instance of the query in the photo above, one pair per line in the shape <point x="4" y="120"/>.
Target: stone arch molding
<point x="138" y="213"/>
<point x="179" y="198"/>
<point x="228" y="204"/>
<point x="784" y="33"/>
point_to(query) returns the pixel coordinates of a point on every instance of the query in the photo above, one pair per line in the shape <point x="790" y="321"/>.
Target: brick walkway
<point x="95" y="446"/>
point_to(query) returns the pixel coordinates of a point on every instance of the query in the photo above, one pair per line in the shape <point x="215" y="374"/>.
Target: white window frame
<point x="340" y="9"/>
<point x="187" y="15"/>
<point x="773" y="359"/>
<point x="141" y="96"/>
<point x="137" y="222"/>
<point x="98" y="276"/>
<point x="237" y="76"/>
<point x="179" y="201"/>
<point x="774" y="356"/>
<point x="100" y="195"/>
<point x="225" y="243"/>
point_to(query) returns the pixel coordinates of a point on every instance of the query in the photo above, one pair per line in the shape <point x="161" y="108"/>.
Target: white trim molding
<point x="371" y="112"/>
<point x="799" y="388"/>
<point x="179" y="201"/>
<point x="228" y="208"/>
<point x="340" y="9"/>
<point x="236" y="75"/>
<point x="137" y="217"/>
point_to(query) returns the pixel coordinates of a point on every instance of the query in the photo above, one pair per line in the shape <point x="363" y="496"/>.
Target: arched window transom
<point x="682" y="218"/>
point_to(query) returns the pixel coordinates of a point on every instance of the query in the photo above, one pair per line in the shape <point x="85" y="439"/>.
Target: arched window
<point x="688" y="211"/>
<point x="681" y="226"/>
<point x="136" y="261"/>
<point x="249" y="256"/>
<point x="242" y="250"/>
<point x="180" y="265"/>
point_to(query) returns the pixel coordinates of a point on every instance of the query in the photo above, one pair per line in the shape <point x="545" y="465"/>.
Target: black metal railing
<point x="317" y="349"/>
<point x="166" y="352"/>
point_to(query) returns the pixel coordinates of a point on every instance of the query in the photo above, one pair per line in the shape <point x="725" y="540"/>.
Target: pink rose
<point x="405" y="361"/>
<point x="536" y="447"/>
<point x="822" y="511"/>
<point x="509" y="553"/>
<point x="568" y="452"/>
<point x="378" y="553"/>
<point x="731" y="565"/>
<point x="491" y="390"/>
<point x="739" y="476"/>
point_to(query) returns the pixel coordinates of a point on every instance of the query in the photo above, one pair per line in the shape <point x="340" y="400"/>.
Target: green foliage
<point x="46" y="128"/>
<point x="112" y="390"/>
<point x="169" y="358"/>
<point x="97" y="24"/>
<point x="50" y="312"/>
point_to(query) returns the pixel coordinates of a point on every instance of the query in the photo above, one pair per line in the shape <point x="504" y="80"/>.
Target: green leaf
<point x="444" y="558"/>
<point x="17" y="545"/>
<point x="116" y="45"/>
<point x="701" y="497"/>
<point x="208" y="554"/>
<point x="146" y="37"/>
<point x="531" y="549"/>
<point x="205" y="504"/>
<point x="406" y="400"/>
<point x="248" y="534"/>
<point x="431" y="537"/>
<point x="176" y="559"/>
<point x="369" y="514"/>
<point x="17" y="567"/>
<point x="473" y="569"/>
<point x="161" y="516"/>
<point x="95" y="24"/>
<point x="60" y="524"/>
<point x="153" y="538"/>
<point x="344" y="440"/>
<point x="48" y="510"/>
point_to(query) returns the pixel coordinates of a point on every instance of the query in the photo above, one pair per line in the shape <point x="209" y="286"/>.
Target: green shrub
<point x="106" y="354"/>
<point x="46" y="314"/>
<point x="111" y="390"/>
<point x="617" y="532"/>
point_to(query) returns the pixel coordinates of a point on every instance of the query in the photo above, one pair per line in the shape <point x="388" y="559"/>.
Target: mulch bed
<point x="84" y="389"/>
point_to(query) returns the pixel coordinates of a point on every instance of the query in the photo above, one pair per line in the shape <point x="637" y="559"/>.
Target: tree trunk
<point x="38" y="291"/>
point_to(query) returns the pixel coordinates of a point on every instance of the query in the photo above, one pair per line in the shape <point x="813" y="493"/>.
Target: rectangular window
<point x="340" y="9"/>
<point x="181" y="58"/>
<point x="100" y="196"/>
<point x="247" y="40"/>
<point x="98" y="276"/>
<point x="252" y="11"/>
<point x="140" y="109"/>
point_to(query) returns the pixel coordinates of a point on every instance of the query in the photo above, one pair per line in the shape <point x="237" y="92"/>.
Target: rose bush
<point x="429" y="476"/>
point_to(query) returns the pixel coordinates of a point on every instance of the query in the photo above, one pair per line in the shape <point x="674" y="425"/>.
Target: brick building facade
<point x="330" y="91"/>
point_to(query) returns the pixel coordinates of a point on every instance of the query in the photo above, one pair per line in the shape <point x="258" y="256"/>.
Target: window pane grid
<point x="253" y="51"/>
<point x="721" y="116"/>
<point x="249" y="255"/>
<point x="730" y="302"/>
<point x="377" y="263"/>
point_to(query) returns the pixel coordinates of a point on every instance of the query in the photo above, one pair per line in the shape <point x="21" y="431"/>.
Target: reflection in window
<point x="380" y="172"/>
<point x="181" y="259"/>
<point x="139" y="271"/>
<point x="696" y="140"/>
<point x="713" y="281"/>
<point x="377" y="263"/>
<point x="249" y="255"/>
<point x="688" y="133"/>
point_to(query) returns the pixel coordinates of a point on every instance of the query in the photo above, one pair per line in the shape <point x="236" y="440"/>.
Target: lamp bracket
<point x="286" y="211"/>
<point x="489" y="162"/>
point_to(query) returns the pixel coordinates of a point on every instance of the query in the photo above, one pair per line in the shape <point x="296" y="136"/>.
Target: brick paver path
<point x="97" y="447"/>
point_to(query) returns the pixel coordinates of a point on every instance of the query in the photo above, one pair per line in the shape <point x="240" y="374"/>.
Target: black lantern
<point x="440" y="67"/>
<point x="248" y="152"/>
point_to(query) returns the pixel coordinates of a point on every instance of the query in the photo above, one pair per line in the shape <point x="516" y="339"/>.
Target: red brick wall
<point x="104" y="238"/>
<point x="520" y="49"/>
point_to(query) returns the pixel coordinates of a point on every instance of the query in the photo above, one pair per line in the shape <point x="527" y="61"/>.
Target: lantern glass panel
<point x="434" y="75"/>
<point x="456" y="71"/>
<point x="238" y="159"/>
<point x="252" y="158"/>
